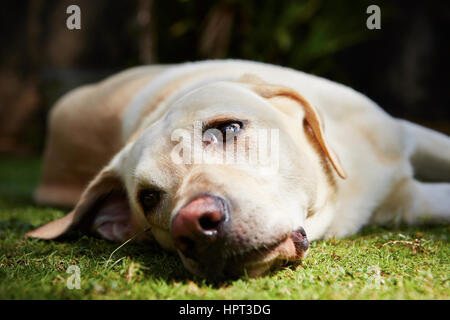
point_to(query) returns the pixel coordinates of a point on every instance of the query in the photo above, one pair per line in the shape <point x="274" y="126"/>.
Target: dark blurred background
<point x="403" y="66"/>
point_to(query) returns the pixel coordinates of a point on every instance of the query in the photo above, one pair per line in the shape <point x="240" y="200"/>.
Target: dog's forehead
<point x="221" y="98"/>
<point x="218" y="100"/>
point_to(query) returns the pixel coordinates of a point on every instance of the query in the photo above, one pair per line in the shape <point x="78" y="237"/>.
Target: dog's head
<point x="227" y="177"/>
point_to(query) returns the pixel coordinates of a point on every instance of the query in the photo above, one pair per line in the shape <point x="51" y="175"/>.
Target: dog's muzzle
<point x="199" y="232"/>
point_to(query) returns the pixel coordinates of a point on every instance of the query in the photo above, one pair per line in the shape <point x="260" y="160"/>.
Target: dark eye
<point x="149" y="199"/>
<point x="230" y="129"/>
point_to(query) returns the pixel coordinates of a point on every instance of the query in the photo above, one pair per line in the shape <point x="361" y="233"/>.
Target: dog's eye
<point x="149" y="199"/>
<point x="230" y="128"/>
<point x="222" y="130"/>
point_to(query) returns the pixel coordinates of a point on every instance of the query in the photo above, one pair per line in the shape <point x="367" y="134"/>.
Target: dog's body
<point x="117" y="136"/>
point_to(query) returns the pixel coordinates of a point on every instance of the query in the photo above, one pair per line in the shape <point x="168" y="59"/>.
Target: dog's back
<point x="84" y="133"/>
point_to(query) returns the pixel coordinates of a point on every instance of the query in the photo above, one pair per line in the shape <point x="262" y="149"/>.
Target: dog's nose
<point x="198" y="227"/>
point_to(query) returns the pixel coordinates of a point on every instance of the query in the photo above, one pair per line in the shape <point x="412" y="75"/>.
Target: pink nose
<point x="198" y="227"/>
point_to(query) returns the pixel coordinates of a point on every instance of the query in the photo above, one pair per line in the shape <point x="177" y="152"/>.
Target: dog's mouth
<point x="290" y="248"/>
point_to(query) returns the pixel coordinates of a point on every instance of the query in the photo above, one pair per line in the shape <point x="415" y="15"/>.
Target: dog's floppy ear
<point x="312" y="117"/>
<point x="102" y="208"/>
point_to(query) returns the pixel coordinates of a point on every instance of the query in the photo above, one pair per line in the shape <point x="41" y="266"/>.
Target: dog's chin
<point x="253" y="263"/>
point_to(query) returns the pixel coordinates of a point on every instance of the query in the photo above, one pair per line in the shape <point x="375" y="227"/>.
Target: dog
<point x="119" y="152"/>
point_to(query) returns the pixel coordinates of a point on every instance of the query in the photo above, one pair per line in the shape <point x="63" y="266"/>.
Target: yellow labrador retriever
<point x="235" y="164"/>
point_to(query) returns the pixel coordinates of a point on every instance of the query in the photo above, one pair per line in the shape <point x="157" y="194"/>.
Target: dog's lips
<point x="301" y="243"/>
<point x="291" y="248"/>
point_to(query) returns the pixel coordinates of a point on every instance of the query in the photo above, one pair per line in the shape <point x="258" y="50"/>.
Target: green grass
<point x="378" y="263"/>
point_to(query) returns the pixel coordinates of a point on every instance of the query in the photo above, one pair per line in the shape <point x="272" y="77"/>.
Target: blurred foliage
<point x="403" y="67"/>
<point x="304" y="35"/>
